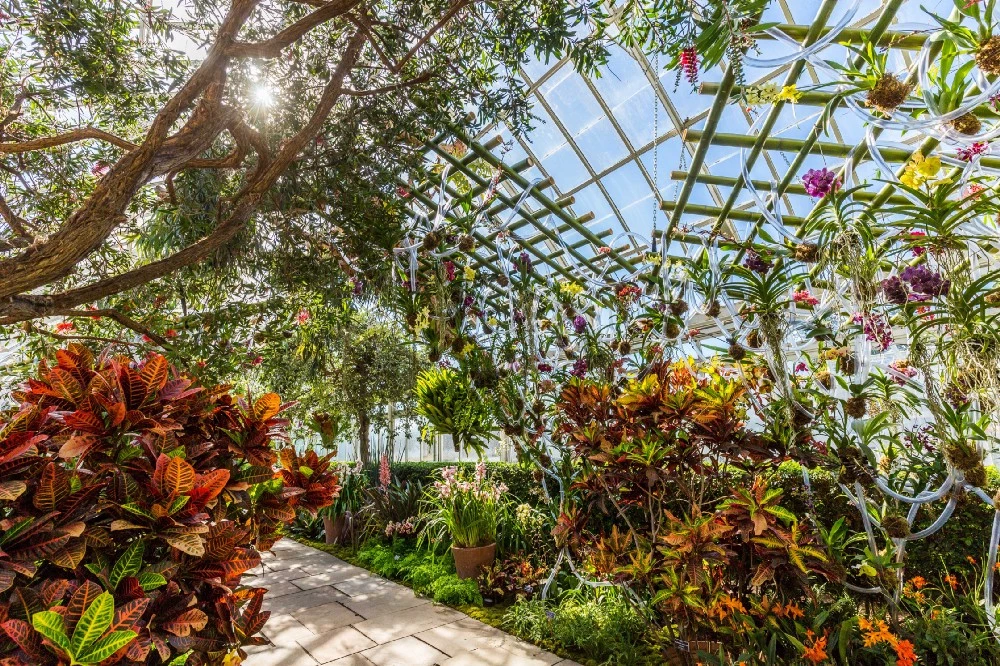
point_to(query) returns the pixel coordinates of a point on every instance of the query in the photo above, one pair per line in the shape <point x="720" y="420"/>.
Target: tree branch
<point x="423" y="78"/>
<point x="97" y="338"/>
<point x="456" y="7"/>
<point x="103" y="211"/>
<point x="271" y="48"/>
<point x="17" y="224"/>
<point x="72" y="136"/>
<point x="120" y="318"/>
<point x="245" y="201"/>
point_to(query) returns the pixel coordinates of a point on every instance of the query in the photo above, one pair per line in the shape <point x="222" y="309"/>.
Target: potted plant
<point x="338" y="518"/>
<point x="468" y="512"/>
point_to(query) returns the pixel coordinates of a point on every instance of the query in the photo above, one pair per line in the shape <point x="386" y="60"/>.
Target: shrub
<point x="604" y="626"/>
<point x="127" y="488"/>
<point x="422" y="577"/>
<point x="451" y="590"/>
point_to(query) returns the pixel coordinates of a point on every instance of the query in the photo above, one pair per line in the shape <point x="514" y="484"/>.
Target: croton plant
<point x="133" y="502"/>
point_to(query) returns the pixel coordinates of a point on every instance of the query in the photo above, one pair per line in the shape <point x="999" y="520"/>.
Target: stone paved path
<point x="326" y="611"/>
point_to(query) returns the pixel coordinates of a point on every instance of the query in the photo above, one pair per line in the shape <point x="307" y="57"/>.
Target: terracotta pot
<point x="335" y="528"/>
<point x="470" y="562"/>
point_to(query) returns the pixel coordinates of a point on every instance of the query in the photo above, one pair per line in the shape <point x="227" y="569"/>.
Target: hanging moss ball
<point x="896" y="526"/>
<point x="801" y="417"/>
<point x="988" y="56"/>
<point x="888" y="94"/>
<point x="856" y="407"/>
<point x="467" y="243"/>
<point x="431" y="241"/>
<point x="807" y="253"/>
<point x="434" y="356"/>
<point x="824" y="379"/>
<point x="847" y="364"/>
<point x="625" y="347"/>
<point x="852" y="466"/>
<point x="963" y="456"/>
<point x="737" y="351"/>
<point x="672" y="330"/>
<point x="968" y="124"/>
<point x="678" y="307"/>
<point x="714" y="309"/>
<point x="976" y="476"/>
<point x="754" y="339"/>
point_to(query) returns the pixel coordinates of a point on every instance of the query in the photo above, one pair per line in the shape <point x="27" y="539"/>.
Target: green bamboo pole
<point x="533" y="220"/>
<point x="767" y="186"/>
<point x="545" y="201"/>
<point x="804" y="148"/>
<point x="911" y="41"/>
<point x="736" y="214"/>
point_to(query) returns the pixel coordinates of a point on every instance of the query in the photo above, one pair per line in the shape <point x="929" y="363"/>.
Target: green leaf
<point x="132" y="507"/>
<point x="128" y="564"/>
<point x="180" y="659"/>
<point x="50" y="625"/>
<point x="106" y="647"/>
<point x="150" y="581"/>
<point x="178" y="504"/>
<point x="94" y="622"/>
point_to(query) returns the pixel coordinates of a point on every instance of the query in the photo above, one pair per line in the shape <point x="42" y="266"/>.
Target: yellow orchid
<point x="922" y="170"/>
<point x="469" y="273"/>
<point x="423" y="321"/>
<point x="570" y="289"/>
<point x="789" y="94"/>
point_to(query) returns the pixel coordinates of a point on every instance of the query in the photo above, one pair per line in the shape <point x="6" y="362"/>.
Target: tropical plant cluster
<point x="135" y="501"/>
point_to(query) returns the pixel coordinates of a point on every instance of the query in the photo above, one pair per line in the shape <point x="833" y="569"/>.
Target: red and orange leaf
<point x="173" y="476"/>
<point x="154" y="373"/>
<point x="128" y="614"/>
<point x="190" y="620"/>
<point x="266" y="406"/>
<point x="53" y="487"/>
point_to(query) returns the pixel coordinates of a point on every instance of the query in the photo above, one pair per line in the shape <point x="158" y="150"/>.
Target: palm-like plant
<point x="452" y="406"/>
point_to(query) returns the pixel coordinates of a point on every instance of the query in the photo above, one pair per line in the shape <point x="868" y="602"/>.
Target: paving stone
<point x="468" y="634"/>
<point x="386" y="628"/>
<point x="321" y="619"/>
<point x="283" y="629"/>
<point x="453" y="638"/>
<point x="364" y="583"/>
<point x="404" y="652"/>
<point x="318" y="563"/>
<point x="384" y="601"/>
<point x="352" y="660"/>
<point x="285" y="655"/>
<point x="293" y="603"/>
<point x="494" y="657"/>
<point x="326" y="611"/>
<point x="336" y="644"/>
<point x="329" y="576"/>
<point x="275" y="590"/>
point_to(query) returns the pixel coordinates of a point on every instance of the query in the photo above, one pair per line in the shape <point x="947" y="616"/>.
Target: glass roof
<point x="621" y="144"/>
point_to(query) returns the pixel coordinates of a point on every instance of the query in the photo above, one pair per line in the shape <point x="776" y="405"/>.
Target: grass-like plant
<point x="465" y="511"/>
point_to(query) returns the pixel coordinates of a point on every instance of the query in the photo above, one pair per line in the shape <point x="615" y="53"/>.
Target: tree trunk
<point x="365" y="447"/>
